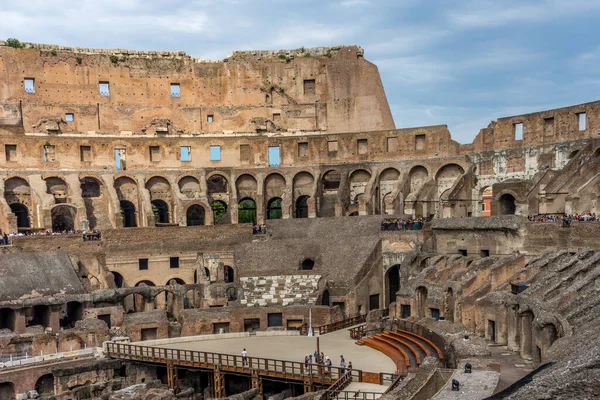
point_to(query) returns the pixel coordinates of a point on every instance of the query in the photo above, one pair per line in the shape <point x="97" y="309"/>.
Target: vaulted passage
<point x="219" y="209"/>
<point x="302" y="207"/>
<point x="7" y="319"/>
<point x="247" y="211"/>
<point x="22" y="214"/>
<point x="63" y="218"/>
<point x="128" y="214"/>
<point x="507" y="204"/>
<point x="393" y="283"/>
<point x="160" y="209"/>
<point x="274" y="208"/>
<point x="45" y="385"/>
<point x="194" y="215"/>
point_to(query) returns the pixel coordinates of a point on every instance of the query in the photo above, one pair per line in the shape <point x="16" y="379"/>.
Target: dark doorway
<point x="160" y="209"/>
<point x="274" y="208"/>
<point x="247" y="211"/>
<point x="405" y="311"/>
<point x="118" y="279"/>
<point x="307" y="264"/>
<point x="341" y="305"/>
<point x="149" y="333"/>
<point x="302" y="207"/>
<point x="228" y="274"/>
<point x="105" y="318"/>
<point x="7" y="390"/>
<point x="22" y="214"/>
<point x="195" y="215"/>
<point x="507" y="204"/>
<point x="435" y="313"/>
<point x="393" y="282"/>
<point x="492" y="330"/>
<point x="45" y="385"/>
<point x="325" y="298"/>
<point x="41" y="316"/>
<point x="252" y="325"/>
<point x="274" y="319"/>
<point x="128" y="214"/>
<point x="374" y="302"/>
<point x="7" y="318"/>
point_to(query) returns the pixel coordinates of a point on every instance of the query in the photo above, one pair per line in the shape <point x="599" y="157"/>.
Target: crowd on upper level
<point x="6" y="239"/>
<point x="398" y="224"/>
<point x="565" y="219"/>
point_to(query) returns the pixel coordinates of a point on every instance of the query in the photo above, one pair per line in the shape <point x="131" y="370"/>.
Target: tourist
<point x="310" y="358"/>
<point x="328" y="364"/>
<point x="349" y="367"/>
<point x="306" y="362"/>
<point x="316" y="356"/>
<point x="342" y="365"/>
<point x="322" y="358"/>
<point x="244" y="357"/>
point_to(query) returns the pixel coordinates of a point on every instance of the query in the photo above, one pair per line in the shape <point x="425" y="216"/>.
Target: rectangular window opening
<point x="463" y="252"/>
<point x="518" y="131"/>
<point x="582" y="120"/>
<point x="405" y="310"/>
<point x="215" y="153"/>
<point x="303" y="149"/>
<point x="332" y="147"/>
<point x="362" y="146"/>
<point x="10" y="151"/>
<point x="154" y="153"/>
<point x="277" y="118"/>
<point x="173" y="262"/>
<point x="104" y="88"/>
<point x="142" y="264"/>
<point x="85" y="153"/>
<point x="185" y="153"/>
<point x="549" y="126"/>
<point x="69" y="117"/>
<point x="435" y="313"/>
<point x="49" y="153"/>
<point x="120" y="159"/>
<point x="149" y="333"/>
<point x="274" y="319"/>
<point x="310" y="86"/>
<point x="175" y="90"/>
<point x="484" y="253"/>
<point x="274" y="156"/>
<point x="29" y="84"/>
<point x="420" y="142"/>
<point x="210" y="118"/>
<point x="245" y="153"/>
<point x="392" y="144"/>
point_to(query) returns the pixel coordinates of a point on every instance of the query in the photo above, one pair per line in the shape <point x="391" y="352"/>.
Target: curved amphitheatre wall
<point x="140" y="164"/>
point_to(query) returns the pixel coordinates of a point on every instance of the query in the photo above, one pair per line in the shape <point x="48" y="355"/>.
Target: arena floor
<point x="295" y="348"/>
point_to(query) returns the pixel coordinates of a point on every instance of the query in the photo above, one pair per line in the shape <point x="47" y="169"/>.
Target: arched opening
<point x="228" y="275"/>
<point x="231" y="294"/>
<point x="507" y="204"/>
<point x="359" y="180"/>
<point x="41" y="316"/>
<point x="217" y="184"/>
<point x="388" y="184"/>
<point x="194" y="215"/>
<point x="90" y="187"/>
<point x="219" y="209"/>
<point x="207" y="273"/>
<point x="274" y="208"/>
<point x="307" y="264"/>
<point x="7" y="390"/>
<point x="160" y="209"/>
<point x="8" y="318"/>
<point x="63" y="218"/>
<point x="421" y="301"/>
<point x="71" y="315"/>
<point x="22" y="214"/>
<point x="118" y="279"/>
<point x="573" y="154"/>
<point x="45" y="385"/>
<point x="486" y="201"/>
<point x="353" y="214"/>
<point x="393" y="283"/>
<point x="246" y="211"/>
<point x="325" y="298"/>
<point x="139" y="300"/>
<point x="189" y="186"/>
<point x="91" y="194"/>
<point x="128" y="214"/>
<point x="302" y="207"/>
<point x="331" y="181"/>
<point x="57" y="188"/>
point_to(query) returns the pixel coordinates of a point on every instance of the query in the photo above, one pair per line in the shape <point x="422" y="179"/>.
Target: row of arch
<point x="218" y="192"/>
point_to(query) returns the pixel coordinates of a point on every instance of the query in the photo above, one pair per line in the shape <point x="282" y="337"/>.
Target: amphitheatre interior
<point x="161" y="213"/>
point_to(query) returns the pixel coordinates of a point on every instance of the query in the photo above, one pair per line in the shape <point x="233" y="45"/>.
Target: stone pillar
<point x="261" y="205"/>
<point x="502" y="329"/>
<point x="513" y="328"/>
<point x="20" y="324"/>
<point x="526" y="335"/>
<point x="54" y="318"/>
<point x="114" y="207"/>
<point x="145" y="214"/>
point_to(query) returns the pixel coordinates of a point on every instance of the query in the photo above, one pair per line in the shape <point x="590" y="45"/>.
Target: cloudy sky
<point x="460" y="63"/>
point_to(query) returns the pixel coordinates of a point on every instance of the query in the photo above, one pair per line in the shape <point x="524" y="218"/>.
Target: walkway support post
<point x="219" y="382"/>
<point x="172" y="376"/>
<point x="257" y="382"/>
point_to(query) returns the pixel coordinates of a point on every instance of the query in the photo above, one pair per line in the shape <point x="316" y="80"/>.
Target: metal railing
<point x="338" y="386"/>
<point x="359" y="395"/>
<point x="14" y="360"/>
<point x="336" y="326"/>
<point x="315" y="373"/>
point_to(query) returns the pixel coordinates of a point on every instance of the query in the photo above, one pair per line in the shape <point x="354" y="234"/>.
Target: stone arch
<point x="91" y="187"/>
<point x="573" y="154"/>
<point x="393" y="283"/>
<point x="330" y="181"/>
<point x="8" y="318"/>
<point x="247" y="211"/>
<point x="231" y="294"/>
<point x="325" y="300"/>
<point x="275" y="185"/>
<point x="45" y="385"/>
<point x="118" y="279"/>
<point x="195" y="215"/>
<point x="302" y="188"/>
<point x="207" y="273"/>
<point x="93" y="199"/>
<point x="417" y="177"/>
<point x="446" y="176"/>
<point x="228" y="274"/>
<point x="307" y="264"/>
<point x="596" y="153"/>
<point x="485" y="196"/>
<point x="219" y="211"/>
<point x="387" y="187"/>
<point x="63" y="218"/>
<point x="22" y="214"/>
<point x="274" y="208"/>
<point x="160" y="198"/>
<point x="421" y="301"/>
<point x="358" y="181"/>
<point x="58" y="188"/>
<point x="7" y="390"/>
<point x="507" y="204"/>
<point x="246" y="186"/>
<point x="128" y="213"/>
<point x="217" y="183"/>
<point x="217" y="188"/>
<point x="189" y="186"/>
<point x="140" y="300"/>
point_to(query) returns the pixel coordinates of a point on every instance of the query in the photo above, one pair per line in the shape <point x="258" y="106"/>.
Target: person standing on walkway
<point x="244" y="357"/>
<point x="342" y="365"/>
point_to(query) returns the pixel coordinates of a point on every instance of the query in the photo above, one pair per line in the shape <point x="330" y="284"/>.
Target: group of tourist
<point x="259" y="229"/>
<point x="397" y="224"/>
<point x="591" y="217"/>
<point x="6" y="239"/>
<point x="323" y="361"/>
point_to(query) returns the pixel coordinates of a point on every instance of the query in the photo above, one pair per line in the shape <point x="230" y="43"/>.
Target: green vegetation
<point x="12" y="42"/>
<point x="219" y="210"/>
<point x="282" y="56"/>
<point x="79" y="60"/>
<point x="53" y="52"/>
<point x="114" y="59"/>
<point x="307" y="55"/>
